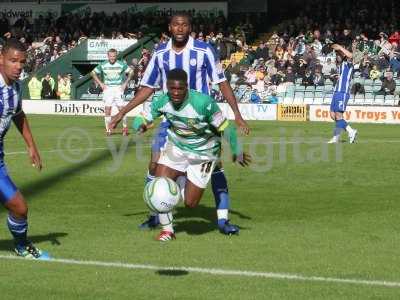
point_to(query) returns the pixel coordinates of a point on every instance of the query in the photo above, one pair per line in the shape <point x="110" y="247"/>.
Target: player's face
<point x="11" y="64"/>
<point x="112" y="57"/>
<point x="180" y="28"/>
<point x="177" y="91"/>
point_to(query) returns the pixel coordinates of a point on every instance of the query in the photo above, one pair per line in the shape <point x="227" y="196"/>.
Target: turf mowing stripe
<point x="149" y="145"/>
<point x="222" y="272"/>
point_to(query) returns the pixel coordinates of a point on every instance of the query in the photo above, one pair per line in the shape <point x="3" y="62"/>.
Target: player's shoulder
<point x="200" y="99"/>
<point x="161" y="48"/>
<point x="160" y="100"/>
<point x="201" y="45"/>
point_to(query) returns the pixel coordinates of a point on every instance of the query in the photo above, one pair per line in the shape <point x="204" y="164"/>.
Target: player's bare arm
<point x="99" y="82"/>
<point x="140" y="97"/>
<point x="22" y="124"/>
<point x="346" y="52"/>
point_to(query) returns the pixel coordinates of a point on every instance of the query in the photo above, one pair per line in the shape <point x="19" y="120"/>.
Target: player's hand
<point x="243" y="126"/>
<point x="35" y="158"/>
<point x="103" y="87"/>
<point x="115" y="121"/>
<point x="142" y="129"/>
<point x="243" y="159"/>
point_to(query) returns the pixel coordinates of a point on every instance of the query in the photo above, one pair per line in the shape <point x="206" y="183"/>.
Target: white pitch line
<point x="222" y="272"/>
<point x="148" y="146"/>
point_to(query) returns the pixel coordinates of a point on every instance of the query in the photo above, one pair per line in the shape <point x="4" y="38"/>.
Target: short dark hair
<point x="181" y="14"/>
<point x="113" y="50"/>
<point x="177" y="74"/>
<point x="13" y="43"/>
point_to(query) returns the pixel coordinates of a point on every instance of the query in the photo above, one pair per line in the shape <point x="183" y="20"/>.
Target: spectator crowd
<point x="259" y="66"/>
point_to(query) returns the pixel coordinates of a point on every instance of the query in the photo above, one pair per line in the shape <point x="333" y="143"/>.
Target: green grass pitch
<point x="304" y="208"/>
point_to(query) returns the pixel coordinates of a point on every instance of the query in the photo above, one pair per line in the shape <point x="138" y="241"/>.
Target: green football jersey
<point x="195" y="124"/>
<point x="113" y="74"/>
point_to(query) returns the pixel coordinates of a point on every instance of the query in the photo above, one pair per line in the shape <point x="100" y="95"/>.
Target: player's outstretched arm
<point x="230" y="97"/>
<point x="230" y="135"/>
<point x="346" y="52"/>
<point x="140" y="97"/>
<point x="21" y="122"/>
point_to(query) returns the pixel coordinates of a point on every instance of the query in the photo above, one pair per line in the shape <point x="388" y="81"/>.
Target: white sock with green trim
<point x="166" y="221"/>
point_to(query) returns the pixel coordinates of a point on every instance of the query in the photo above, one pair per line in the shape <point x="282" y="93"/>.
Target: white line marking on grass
<point x="149" y="145"/>
<point x="222" y="272"/>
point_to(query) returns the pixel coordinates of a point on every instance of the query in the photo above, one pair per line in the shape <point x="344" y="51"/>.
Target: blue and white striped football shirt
<point x="10" y="105"/>
<point x="198" y="59"/>
<point x="345" y="73"/>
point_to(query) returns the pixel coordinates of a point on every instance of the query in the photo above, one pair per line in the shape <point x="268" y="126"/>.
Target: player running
<point x="202" y="66"/>
<point x="341" y="95"/>
<point x="12" y="61"/>
<point x="113" y="72"/>
<point x="193" y="147"/>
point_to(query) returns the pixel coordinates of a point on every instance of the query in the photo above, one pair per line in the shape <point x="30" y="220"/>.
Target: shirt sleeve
<point x="213" y="66"/>
<point x="215" y="117"/>
<point x="152" y="74"/>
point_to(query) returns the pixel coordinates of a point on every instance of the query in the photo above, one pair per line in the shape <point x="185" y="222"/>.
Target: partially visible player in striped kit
<point x="12" y="61"/>
<point x="203" y="67"/>
<point x="341" y="95"/>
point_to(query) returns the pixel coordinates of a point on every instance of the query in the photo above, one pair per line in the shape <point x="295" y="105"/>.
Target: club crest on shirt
<point x="193" y="62"/>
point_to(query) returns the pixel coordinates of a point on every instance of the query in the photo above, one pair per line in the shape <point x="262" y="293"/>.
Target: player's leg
<point x="219" y="186"/>
<point x="166" y="219"/>
<point x="17" y="219"/>
<point x="352" y="133"/>
<point x="107" y="118"/>
<point x="119" y="100"/>
<point x="158" y="143"/>
<point x="336" y="116"/>
<point x="108" y="100"/>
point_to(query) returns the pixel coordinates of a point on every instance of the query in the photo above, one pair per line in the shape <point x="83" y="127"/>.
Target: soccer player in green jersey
<point x="194" y="144"/>
<point x="113" y="85"/>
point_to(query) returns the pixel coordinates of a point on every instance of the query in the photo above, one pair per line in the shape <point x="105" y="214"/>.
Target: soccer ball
<point x="161" y="194"/>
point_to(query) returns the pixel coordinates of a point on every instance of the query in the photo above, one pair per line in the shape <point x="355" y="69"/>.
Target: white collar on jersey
<point x="189" y="44"/>
<point x="3" y="83"/>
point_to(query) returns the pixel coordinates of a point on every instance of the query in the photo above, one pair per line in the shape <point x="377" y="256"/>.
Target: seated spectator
<point x="388" y="85"/>
<point x="357" y="89"/>
<point x="255" y="97"/>
<point x="308" y="78"/>
<point x="328" y="68"/>
<point x="250" y="76"/>
<point x="35" y="88"/>
<point x="290" y="76"/>
<point x="318" y="79"/>
<point x="375" y="73"/>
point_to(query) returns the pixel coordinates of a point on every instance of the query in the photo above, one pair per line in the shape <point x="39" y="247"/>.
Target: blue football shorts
<point x="7" y="186"/>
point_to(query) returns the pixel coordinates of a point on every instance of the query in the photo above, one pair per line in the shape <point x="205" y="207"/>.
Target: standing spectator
<point x="64" y="87"/>
<point x="48" y="85"/>
<point x="35" y="88"/>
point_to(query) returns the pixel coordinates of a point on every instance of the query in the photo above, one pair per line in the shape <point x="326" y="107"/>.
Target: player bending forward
<point x="194" y="145"/>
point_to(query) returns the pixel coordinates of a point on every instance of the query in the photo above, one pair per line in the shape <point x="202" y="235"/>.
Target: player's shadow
<point x="207" y="223"/>
<point x="53" y="238"/>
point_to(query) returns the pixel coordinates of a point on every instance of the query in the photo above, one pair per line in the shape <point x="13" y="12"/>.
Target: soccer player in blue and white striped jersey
<point x="12" y="60"/>
<point x="341" y="95"/>
<point x="203" y="67"/>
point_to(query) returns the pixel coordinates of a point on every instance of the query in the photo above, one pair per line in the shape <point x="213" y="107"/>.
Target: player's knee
<point x="190" y="204"/>
<point x="152" y="168"/>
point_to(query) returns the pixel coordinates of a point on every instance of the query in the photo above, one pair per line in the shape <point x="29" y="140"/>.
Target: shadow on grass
<point x="172" y="272"/>
<point x="53" y="238"/>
